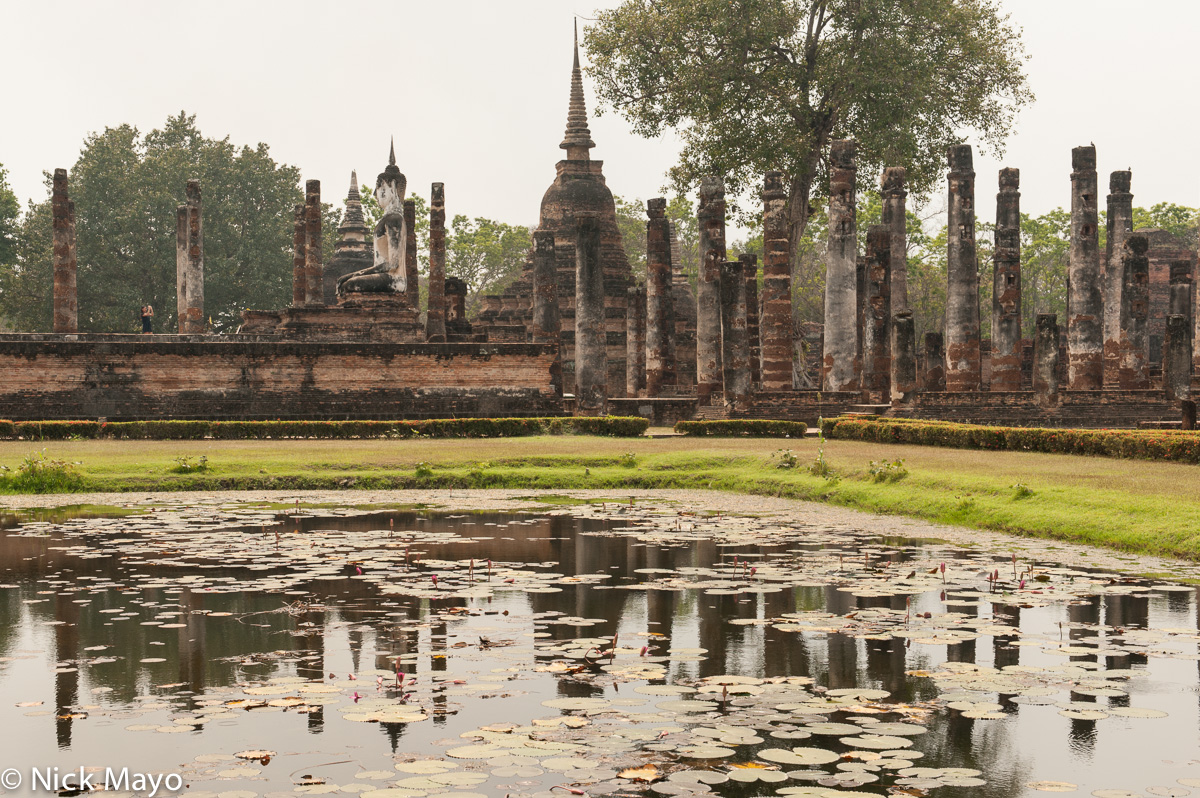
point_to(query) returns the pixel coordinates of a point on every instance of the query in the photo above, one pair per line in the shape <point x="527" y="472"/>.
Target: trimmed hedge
<point x="611" y="426"/>
<point x="1172" y="445"/>
<point x="743" y="428"/>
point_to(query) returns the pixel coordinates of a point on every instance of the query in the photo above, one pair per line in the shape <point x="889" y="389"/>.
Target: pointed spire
<point x="392" y="153"/>
<point x="352" y="194"/>
<point x="578" y="139"/>
<point x="353" y="219"/>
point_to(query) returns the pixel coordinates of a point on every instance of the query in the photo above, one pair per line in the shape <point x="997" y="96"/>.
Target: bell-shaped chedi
<point x="354" y="250"/>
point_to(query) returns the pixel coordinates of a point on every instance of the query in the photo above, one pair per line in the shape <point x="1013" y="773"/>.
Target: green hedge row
<point x="1173" y="445"/>
<point x="611" y="426"/>
<point x="743" y="428"/>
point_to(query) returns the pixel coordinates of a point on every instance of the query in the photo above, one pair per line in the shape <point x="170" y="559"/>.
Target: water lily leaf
<point x="646" y="773"/>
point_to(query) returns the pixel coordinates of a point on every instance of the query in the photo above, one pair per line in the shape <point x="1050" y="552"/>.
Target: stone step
<point x="867" y="410"/>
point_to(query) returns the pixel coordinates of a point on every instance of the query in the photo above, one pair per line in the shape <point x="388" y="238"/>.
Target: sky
<point x="475" y="93"/>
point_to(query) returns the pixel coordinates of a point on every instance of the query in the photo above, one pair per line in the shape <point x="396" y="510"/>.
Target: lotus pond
<point x="596" y="649"/>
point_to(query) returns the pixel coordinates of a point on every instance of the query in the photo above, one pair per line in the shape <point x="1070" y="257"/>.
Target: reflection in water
<point x="159" y="638"/>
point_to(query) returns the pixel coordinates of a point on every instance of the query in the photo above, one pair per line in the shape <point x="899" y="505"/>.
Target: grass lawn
<point x="1131" y="505"/>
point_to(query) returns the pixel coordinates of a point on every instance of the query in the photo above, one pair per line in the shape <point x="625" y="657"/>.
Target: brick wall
<point x="123" y="377"/>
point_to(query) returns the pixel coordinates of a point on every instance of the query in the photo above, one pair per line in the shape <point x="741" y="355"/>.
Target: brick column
<point x="1120" y="225"/>
<point x="877" y="316"/>
<point x="735" y="342"/>
<point x="934" y="378"/>
<point x="412" y="284"/>
<point x="894" y="216"/>
<point x="299" y="274"/>
<point x="591" y="356"/>
<point x="904" y="358"/>
<point x="181" y="268"/>
<point x="1045" y="359"/>
<point x="635" y="340"/>
<point x="314" y="290"/>
<point x="660" y="316"/>
<point x="776" y="322"/>
<point x="1085" y="310"/>
<point x="66" y="295"/>
<point x="840" y="366"/>
<point x="547" y="324"/>
<point x="1177" y="358"/>
<point x="1006" y="285"/>
<point x="435" y="317"/>
<point x="1133" y="373"/>
<point x="1180" y="297"/>
<point x="195" y="260"/>
<point x="708" y="290"/>
<point x="750" y="272"/>
<point x="963" y="371"/>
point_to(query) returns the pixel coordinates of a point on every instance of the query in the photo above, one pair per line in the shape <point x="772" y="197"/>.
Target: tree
<point x="486" y="255"/>
<point x="126" y="188"/>
<point x="631" y="221"/>
<point x="756" y="85"/>
<point x="10" y="217"/>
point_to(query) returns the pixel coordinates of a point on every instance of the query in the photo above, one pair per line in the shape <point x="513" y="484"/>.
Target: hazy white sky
<point x="475" y="92"/>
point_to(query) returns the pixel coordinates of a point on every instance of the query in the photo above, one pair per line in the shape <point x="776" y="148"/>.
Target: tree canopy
<point x="758" y="85"/>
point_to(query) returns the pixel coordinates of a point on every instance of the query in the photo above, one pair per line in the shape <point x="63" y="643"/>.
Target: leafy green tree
<point x="682" y="214"/>
<point x="755" y="85"/>
<point x="631" y="221"/>
<point x="10" y="217"/>
<point x="486" y="255"/>
<point x="126" y="188"/>
<point x="1178" y="220"/>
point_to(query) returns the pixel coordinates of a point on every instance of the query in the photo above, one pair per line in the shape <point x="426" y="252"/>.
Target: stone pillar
<point x="894" y="216"/>
<point x="963" y="372"/>
<point x="66" y="294"/>
<point x="547" y="324"/>
<point x="1006" y="285"/>
<point x="456" y="302"/>
<point x="708" y="290"/>
<point x="635" y="340"/>
<point x="877" y="316"/>
<point x="181" y="268"/>
<point x="314" y="289"/>
<point x="904" y="358"/>
<point x="1180" y="297"/>
<point x="753" y="333"/>
<point x="412" y="285"/>
<point x="660" y="320"/>
<point x="735" y="340"/>
<point x="1045" y="359"/>
<point x="935" y="364"/>
<point x="840" y="367"/>
<point x="776" y="322"/>
<point x="299" y="275"/>
<point x="591" y="355"/>
<point x="1177" y="358"/>
<point x="1120" y="225"/>
<point x="435" y="317"/>
<point x="1133" y="373"/>
<point x="195" y="260"/>
<point x="1085" y="310"/>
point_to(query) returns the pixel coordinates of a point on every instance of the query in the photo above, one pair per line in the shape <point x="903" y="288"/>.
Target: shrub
<point x="190" y="465"/>
<point x="744" y="428"/>
<point x="885" y="471"/>
<point x="41" y="474"/>
<point x="786" y="459"/>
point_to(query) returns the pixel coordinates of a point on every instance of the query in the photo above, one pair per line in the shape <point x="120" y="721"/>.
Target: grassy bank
<point x="1135" y="506"/>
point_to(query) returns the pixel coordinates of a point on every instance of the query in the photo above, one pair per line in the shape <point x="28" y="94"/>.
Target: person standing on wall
<point x="147" y="317"/>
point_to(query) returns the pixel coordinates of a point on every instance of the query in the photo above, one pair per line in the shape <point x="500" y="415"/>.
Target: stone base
<point x="375" y="318"/>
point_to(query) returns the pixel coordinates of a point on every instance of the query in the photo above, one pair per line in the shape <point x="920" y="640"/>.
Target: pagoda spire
<point x="578" y="139"/>
<point x="353" y="217"/>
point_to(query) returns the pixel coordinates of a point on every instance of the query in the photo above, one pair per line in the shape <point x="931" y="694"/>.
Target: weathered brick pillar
<point x="735" y="340"/>
<point x="1085" y="309"/>
<point x="591" y="350"/>
<point x="934" y="378"/>
<point x="635" y="340"/>
<point x="435" y="317"/>
<point x="904" y="358"/>
<point x="314" y="289"/>
<point x="750" y="272"/>
<point x="660" y="316"/>
<point x="1196" y="325"/>
<point x="195" y="259"/>
<point x="1133" y="373"/>
<point x="963" y="370"/>
<point x="708" y="290"/>
<point x="547" y="324"/>
<point x="776" y="322"/>
<point x="1006" y="285"/>
<point x="1180" y="282"/>
<point x="412" y="285"/>
<point x="66" y="294"/>
<point x="1045" y="359"/>
<point x="877" y="316"/>
<point x="181" y="268"/>
<point x="1120" y="225"/>
<point x="840" y="365"/>
<point x="299" y="274"/>
<point x="1177" y="358"/>
<point x="894" y="216"/>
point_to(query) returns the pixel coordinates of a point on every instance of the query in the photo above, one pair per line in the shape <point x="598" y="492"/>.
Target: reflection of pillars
<point x="842" y="649"/>
<point x="66" y="685"/>
<point x="355" y="641"/>
<point x="714" y="632"/>
<point x="885" y="665"/>
<point x="1004" y="653"/>
<point x="964" y="651"/>
<point x="437" y="664"/>
<point x="192" y="640"/>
